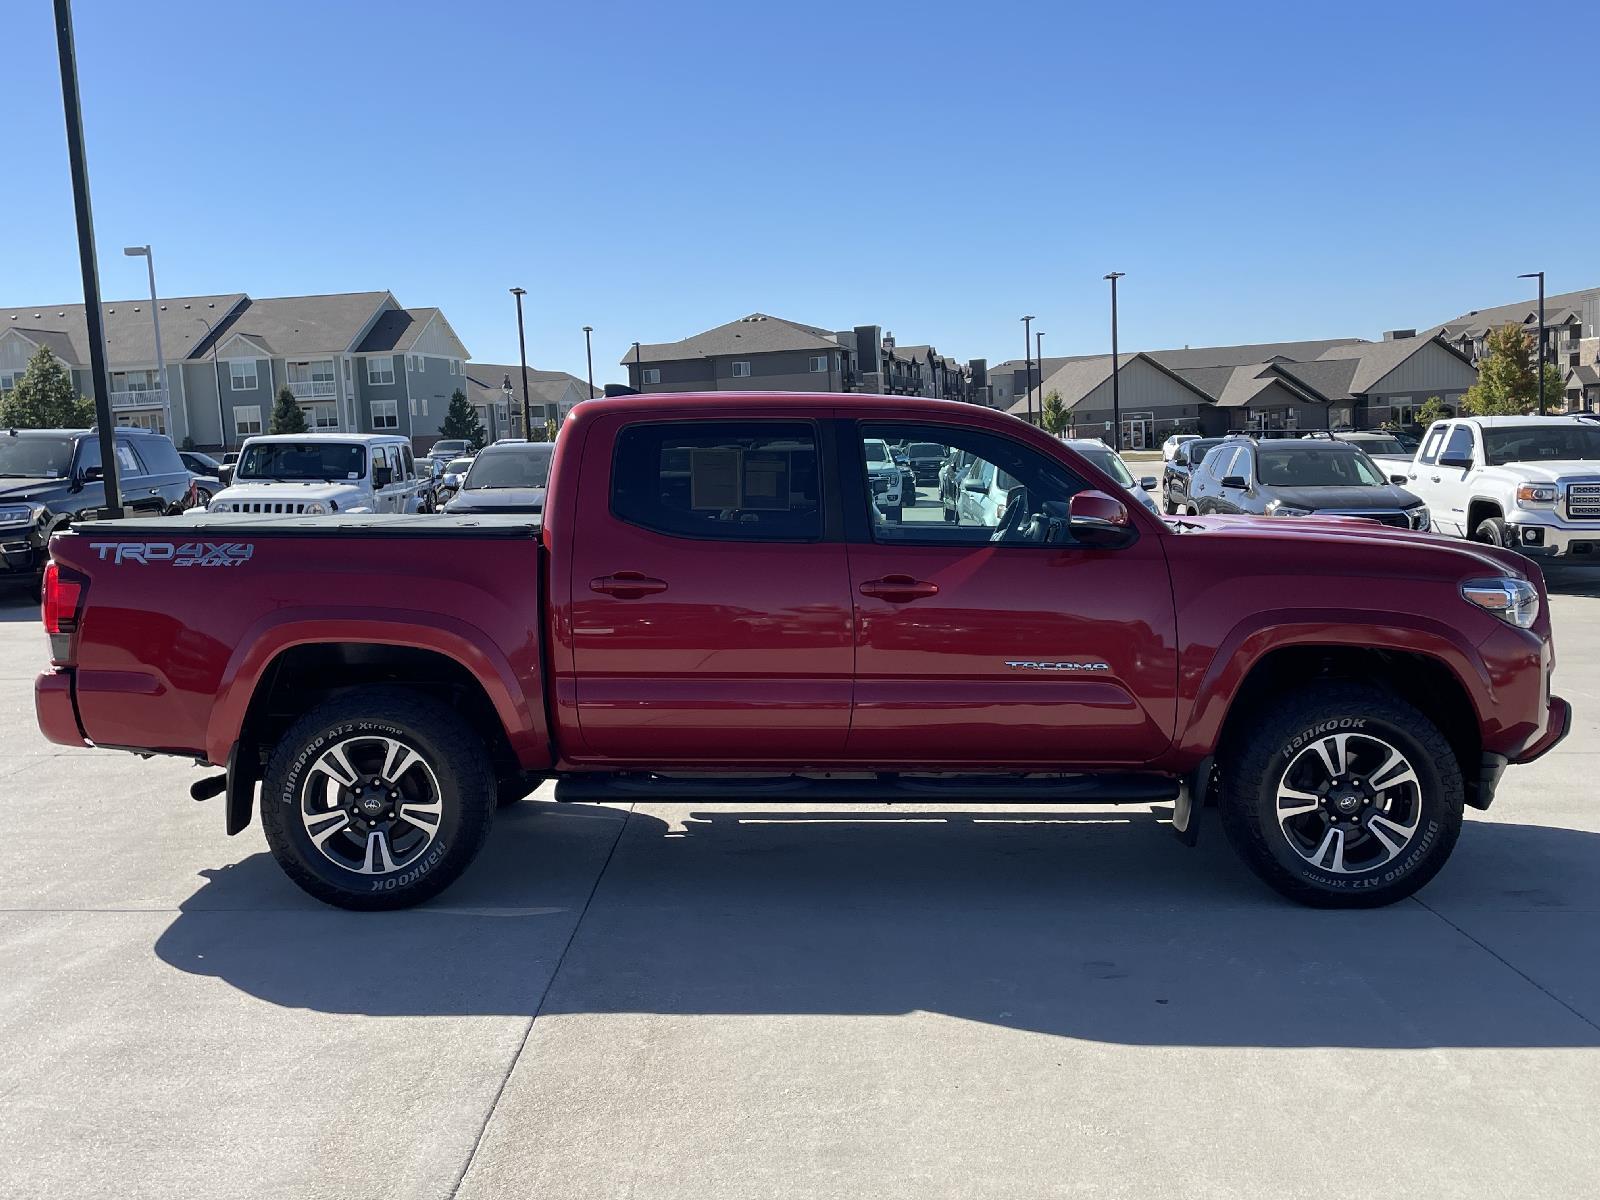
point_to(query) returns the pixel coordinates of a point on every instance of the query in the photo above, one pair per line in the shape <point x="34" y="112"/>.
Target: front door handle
<point x="1436" y="479"/>
<point x="898" y="588"/>
<point x="627" y="585"/>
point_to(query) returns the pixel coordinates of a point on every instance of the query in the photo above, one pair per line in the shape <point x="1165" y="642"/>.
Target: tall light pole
<point x="216" y="378"/>
<point x="588" y="353"/>
<point x="88" y="262"/>
<point x="155" y="316"/>
<point x="1038" y="357"/>
<point x="505" y="387"/>
<point x="1116" y="396"/>
<point x="1027" y="362"/>
<point x="638" y="365"/>
<point x="1539" y="275"/>
<point x="522" y="346"/>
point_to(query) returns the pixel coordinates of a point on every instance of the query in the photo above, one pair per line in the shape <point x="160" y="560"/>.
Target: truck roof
<point x="363" y="438"/>
<point x="1492" y="422"/>
<point x="744" y="401"/>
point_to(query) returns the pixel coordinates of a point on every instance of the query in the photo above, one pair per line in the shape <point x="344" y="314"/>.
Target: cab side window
<point x="1430" y="447"/>
<point x="1218" y="462"/>
<point x="1459" y="444"/>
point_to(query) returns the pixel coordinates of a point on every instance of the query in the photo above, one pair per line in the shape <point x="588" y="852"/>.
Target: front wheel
<point x="1346" y="797"/>
<point x="1494" y="532"/>
<point x="377" y="799"/>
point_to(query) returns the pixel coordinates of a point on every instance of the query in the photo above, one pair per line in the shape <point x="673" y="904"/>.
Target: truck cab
<point x="311" y="474"/>
<point x="1531" y="484"/>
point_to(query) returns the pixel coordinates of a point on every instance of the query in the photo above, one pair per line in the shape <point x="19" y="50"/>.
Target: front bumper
<point x="1557" y="724"/>
<point x="19" y="556"/>
<point x="1553" y="539"/>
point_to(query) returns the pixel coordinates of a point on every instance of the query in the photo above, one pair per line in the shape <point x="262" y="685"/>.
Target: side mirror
<point x="1099" y="520"/>
<point x="93" y="474"/>
<point x="1148" y="483"/>
<point x="1397" y="479"/>
<point x="1464" y="461"/>
<point x="382" y="476"/>
<point x="1237" y="482"/>
<point x="975" y="485"/>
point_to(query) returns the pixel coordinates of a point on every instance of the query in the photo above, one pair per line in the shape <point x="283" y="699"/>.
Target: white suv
<point x="313" y="473"/>
<point x="1528" y="483"/>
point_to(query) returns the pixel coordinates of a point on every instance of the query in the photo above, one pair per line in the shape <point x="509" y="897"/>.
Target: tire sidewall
<point x="286" y="779"/>
<point x="1433" y="832"/>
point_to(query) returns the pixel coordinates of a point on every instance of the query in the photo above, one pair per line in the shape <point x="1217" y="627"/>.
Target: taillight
<point x="59" y="601"/>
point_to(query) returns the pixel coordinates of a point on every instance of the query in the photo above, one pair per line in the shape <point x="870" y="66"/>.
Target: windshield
<point x="1109" y="463"/>
<point x="1531" y="443"/>
<point x="510" y="469"/>
<point x="1305" y="466"/>
<point x="876" y="452"/>
<point x="1197" y="450"/>
<point x="449" y="447"/>
<point x="202" y="462"/>
<point x="457" y="466"/>
<point x="926" y="450"/>
<point x="287" y="461"/>
<point x="35" y="457"/>
<point x="1379" y="445"/>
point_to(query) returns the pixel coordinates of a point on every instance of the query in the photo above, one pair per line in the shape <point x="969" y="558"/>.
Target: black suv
<point x="1175" y="474"/>
<point x="49" y="477"/>
<point x="1300" y="478"/>
<point x="926" y="459"/>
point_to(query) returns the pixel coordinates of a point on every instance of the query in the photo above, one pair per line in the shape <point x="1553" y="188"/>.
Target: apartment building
<point x="356" y="361"/>
<point x="1571" y="338"/>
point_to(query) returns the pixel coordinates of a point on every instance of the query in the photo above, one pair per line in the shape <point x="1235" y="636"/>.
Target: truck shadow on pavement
<point x="1093" y="925"/>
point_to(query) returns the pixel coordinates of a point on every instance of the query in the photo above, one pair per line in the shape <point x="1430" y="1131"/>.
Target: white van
<point x="312" y="473"/>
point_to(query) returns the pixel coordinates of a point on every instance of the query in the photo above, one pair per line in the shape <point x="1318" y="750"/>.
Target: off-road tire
<point x="455" y="755"/>
<point x="1255" y="766"/>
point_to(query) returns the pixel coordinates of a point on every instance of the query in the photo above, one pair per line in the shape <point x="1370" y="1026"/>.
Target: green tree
<point x="1432" y="410"/>
<point x="1054" y="414"/>
<point x="287" y="415"/>
<point x="551" y="428"/>
<point x="461" y="421"/>
<point x="44" y="398"/>
<point x="1508" y="383"/>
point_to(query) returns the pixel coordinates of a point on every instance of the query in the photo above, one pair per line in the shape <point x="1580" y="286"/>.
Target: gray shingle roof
<point x="303" y="325"/>
<point x="129" y="337"/>
<point x="1327" y="377"/>
<point x="1239" y="356"/>
<point x="397" y="330"/>
<point x="1376" y="359"/>
<point x="1482" y="319"/>
<point x="1074" y="379"/>
<point x="484" y="382"/>
<point x="755" y="334"/>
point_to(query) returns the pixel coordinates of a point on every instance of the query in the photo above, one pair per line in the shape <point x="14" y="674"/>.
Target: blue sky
<point x="1260" y="171"/>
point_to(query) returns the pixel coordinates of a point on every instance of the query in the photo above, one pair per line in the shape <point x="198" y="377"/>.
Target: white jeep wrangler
<point x="313" y="473"/>
<point x="1527" y="483"/>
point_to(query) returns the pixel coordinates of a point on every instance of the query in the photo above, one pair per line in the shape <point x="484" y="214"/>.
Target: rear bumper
<point x="56" y="713"/>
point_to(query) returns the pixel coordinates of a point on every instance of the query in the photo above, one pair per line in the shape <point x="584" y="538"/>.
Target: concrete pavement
<point x="695" y="1001"/>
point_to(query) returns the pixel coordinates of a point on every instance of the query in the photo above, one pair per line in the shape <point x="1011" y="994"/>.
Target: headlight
<point x="217" y="506"/>
<point x="1279" y="509"/>
<point x="1421" y="518"/>
<point x="1514" y="601"/>
<point x="316" y="509"/>
<point x="20" y="514"/>
<point x="1536" y="493"/>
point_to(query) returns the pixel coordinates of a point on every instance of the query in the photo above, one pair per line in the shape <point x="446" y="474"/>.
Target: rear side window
<point x="746" y="481"/>
<point x="160" y="455"/>
<point x="1430" y="448"/>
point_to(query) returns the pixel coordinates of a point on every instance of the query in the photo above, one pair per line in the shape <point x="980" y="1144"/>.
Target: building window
<point x="652" y="375"/>
<point x="385" y="414"/>
<point x="452" y="366"/>
<point x="419" y="406"/>
<point x="242" y="375"/>
<point x="380" y="369"/>
<point x="323" y="416"/>
<point x="819" y="362"/>
<point x="311" y="379"/>
<point x="247" y="419"/>
<point x="741" y="370"/>
<point x="8" y="380"/>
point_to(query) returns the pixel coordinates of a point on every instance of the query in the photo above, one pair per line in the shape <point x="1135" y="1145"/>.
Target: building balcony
<point x="139" y="398"/>
<point x="314" y="389"/>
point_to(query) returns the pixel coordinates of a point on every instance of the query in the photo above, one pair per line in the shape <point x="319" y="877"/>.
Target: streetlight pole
<point x="588" y="353"/>
<point x="638" y="365"/>
<point x="83" y="212"/>
<point x="1116" y="395"/>
<point x="505" y="386"/>
<point x="216" y="378"/>
<point x="155" y="316"/>
<point x="1539" y="275"/>
<point x="522" y="346"/>
<point x="1027" y="363"/>
<point x="1038" y="357"/>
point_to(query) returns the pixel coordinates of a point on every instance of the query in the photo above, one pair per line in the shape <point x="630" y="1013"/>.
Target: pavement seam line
<point x="1507" y="963"/>
<point x="527" y="1030"/>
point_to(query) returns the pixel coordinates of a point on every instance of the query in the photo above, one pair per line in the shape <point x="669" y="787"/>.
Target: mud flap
<point x="243" y="774"/>
<point x="1192" y="793"/>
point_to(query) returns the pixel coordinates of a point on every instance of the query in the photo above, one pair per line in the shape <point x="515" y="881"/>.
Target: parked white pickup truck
<point x="315" y="473"/>
<point x="1528" y="483"/>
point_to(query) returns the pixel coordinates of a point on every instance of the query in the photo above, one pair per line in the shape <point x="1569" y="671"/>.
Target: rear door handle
<point x="627" y="585"/>
<point x="1436" y="479"/>
<point x="898" y="588"/>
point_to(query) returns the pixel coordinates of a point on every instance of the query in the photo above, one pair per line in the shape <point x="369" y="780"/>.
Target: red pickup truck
<point x="712" y="604"/>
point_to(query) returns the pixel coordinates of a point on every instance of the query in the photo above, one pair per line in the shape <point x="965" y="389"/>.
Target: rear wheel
<point x="1346" y="797"/>
<point x="377" y="799"/>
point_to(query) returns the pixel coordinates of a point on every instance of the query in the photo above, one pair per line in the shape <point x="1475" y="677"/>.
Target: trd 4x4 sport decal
<point x="179" y="554"/>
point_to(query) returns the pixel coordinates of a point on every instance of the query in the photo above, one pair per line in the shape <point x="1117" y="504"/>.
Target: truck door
<point x="1443" y="487"/>
<point x="709" y="614"/>
<point x="973" y="648"/>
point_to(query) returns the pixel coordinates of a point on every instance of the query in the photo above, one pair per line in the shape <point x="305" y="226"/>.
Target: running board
<point x="1124" y="788"/>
